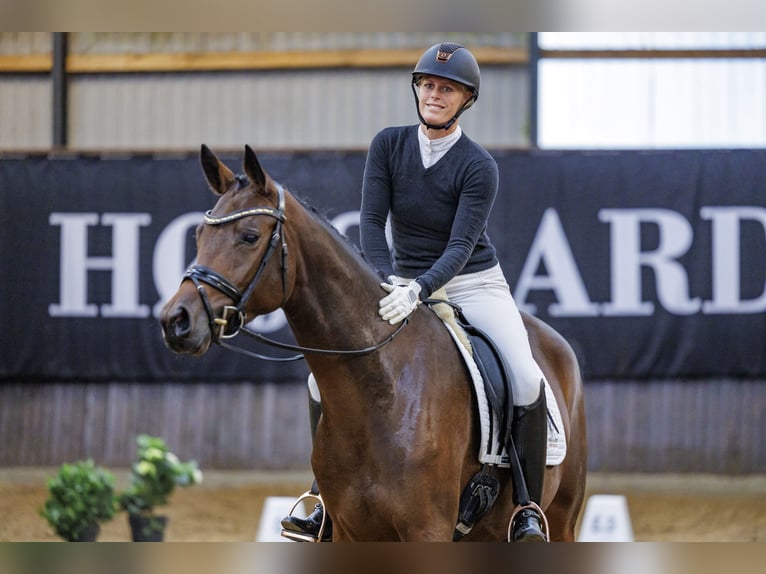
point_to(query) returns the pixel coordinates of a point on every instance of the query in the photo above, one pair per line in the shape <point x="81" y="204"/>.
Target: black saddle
<point x="496" y="376"/>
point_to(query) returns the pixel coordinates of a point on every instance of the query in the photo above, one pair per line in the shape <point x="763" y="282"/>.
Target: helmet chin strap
<point x="435" y="127"/>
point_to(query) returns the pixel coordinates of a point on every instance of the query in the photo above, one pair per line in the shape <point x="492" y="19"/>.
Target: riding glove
<point x="400" y="301"/>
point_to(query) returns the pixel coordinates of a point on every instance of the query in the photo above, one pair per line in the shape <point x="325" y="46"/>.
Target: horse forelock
<point x="242" y="180"/>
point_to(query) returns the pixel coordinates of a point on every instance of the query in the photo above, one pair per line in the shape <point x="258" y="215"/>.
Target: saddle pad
<point x="557" y="444"/>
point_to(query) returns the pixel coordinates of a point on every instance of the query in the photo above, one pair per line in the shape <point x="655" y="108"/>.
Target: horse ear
<point x="254" y="170"/>
<point x="218" y="176"/>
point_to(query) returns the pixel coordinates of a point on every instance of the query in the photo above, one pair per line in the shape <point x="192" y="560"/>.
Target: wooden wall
<point x="677" y="426"/>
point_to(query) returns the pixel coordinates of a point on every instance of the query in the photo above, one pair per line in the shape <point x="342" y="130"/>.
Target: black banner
<point x="652" y="264"/>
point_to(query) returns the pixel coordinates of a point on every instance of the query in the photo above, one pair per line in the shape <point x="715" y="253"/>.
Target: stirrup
<point x="302" y="537"/>
<point x="536" y="507"/>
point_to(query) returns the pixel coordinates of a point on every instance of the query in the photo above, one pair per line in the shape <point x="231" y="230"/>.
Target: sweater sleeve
<point x="376" y="203"/>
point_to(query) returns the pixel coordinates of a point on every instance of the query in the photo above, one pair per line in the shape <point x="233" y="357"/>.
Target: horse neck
<point x="333" y="299"/>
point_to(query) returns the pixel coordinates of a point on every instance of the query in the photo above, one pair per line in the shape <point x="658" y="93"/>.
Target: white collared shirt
<point x="432" y="151"/>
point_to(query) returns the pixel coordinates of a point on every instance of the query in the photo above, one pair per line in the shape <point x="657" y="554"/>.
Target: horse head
<point x="241" y="268"/>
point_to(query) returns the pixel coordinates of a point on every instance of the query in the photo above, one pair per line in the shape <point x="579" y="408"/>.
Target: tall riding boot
<point x="530" y="436"/>
<point x="309" y="527"/>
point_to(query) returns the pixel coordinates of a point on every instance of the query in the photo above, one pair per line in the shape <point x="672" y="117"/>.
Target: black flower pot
<point x="147" y="528"/>
<point x="89" y="534"/>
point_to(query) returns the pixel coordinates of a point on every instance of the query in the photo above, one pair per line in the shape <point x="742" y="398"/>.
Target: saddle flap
<point x="496" y="375"/>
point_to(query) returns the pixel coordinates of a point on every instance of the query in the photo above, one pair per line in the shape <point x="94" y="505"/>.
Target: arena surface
<point x="227" y="506"/>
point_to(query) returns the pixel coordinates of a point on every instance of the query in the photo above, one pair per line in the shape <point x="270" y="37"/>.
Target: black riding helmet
<point x="451" y="61"/>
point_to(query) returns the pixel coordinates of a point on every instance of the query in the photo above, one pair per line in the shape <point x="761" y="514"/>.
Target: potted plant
<point x="153" y="478"/>
<point x="81" y="496"/>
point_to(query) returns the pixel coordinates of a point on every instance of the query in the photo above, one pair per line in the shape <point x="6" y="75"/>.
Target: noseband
<point x="232" y="319"/>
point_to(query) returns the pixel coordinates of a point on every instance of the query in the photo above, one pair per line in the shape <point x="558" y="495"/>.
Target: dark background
<point x="576" y="184"/>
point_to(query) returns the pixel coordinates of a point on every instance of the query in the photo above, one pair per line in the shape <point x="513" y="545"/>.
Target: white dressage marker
<point x="606" y="519"/>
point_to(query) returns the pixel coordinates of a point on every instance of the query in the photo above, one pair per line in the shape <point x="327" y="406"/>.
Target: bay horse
<point x="399" y="435"/>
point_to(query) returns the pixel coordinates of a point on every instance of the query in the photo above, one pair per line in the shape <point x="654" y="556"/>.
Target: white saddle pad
<point x="557" y="444"/>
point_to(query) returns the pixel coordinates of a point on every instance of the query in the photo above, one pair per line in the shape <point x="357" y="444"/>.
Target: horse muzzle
<point x="181" y="332"/>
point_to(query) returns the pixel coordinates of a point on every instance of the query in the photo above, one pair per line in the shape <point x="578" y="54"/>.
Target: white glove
<point x="400" y="301"/>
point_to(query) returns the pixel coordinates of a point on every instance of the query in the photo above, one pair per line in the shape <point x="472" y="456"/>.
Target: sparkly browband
<point x="277" y="213"/>
<point x="210" y="219"/>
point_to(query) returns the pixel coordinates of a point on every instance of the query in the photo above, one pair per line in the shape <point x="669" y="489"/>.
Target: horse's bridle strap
<point x="214" y="279"/>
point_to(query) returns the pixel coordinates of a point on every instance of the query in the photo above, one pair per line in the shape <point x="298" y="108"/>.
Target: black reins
<point x="232" y="320"/>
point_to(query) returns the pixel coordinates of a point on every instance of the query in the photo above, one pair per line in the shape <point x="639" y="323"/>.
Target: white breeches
<point x="487" y="303"/>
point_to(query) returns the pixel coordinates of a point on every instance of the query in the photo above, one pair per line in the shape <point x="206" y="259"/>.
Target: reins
<point x="232" y="320"/>
<point x="289" y="347"/>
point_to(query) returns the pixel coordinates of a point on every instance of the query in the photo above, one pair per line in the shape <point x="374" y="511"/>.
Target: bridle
<point x="232" y="319"/>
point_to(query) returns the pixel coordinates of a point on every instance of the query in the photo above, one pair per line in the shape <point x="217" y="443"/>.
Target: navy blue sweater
<point x="438" y="214"/>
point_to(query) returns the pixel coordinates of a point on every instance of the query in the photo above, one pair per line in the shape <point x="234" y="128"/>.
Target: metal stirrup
<point x="543" y="519"/>
<point x="306" y="537"/>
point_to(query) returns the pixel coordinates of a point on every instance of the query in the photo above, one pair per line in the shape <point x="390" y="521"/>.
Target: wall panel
<point x="25" y="112"/>
<point x="316" y="109"/>
<point x="656" y="427"/>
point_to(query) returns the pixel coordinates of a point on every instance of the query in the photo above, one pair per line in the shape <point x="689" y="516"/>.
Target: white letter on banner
<point x="125" y="264"/>
<point x="550" y="246"/>
<point x="675" y="238"/>
<point x="726" y="259"/>
<point x="169" y="260"/>
<point x="75" y="264"/>
<point x="73" y="276"/>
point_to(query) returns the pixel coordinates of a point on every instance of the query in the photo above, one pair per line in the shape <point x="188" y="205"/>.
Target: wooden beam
<point x="26" y="63"/>
<point x="319" y="59"/>
<point x="274" y="60"/>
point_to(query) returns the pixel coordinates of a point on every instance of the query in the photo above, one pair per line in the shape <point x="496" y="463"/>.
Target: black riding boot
<point x="308" y="528"/>
<point x="530" y="436"/>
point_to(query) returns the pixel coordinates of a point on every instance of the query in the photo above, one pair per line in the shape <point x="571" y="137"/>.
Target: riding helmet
<point x="451" y="61"/>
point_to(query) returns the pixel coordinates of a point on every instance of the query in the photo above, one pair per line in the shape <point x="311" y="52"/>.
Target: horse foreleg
<point x="425" y="520"/>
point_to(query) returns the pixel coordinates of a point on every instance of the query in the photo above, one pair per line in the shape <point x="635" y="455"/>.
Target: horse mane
<point x="323" y="218"/>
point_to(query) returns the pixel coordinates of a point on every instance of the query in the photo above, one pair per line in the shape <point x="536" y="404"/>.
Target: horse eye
<point x="249" y="237"/>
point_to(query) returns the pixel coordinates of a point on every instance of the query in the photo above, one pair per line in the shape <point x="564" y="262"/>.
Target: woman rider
<point x="437" y="187"/>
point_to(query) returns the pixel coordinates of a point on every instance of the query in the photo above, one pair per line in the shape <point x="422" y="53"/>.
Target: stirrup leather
<point x="543" y="522"/>
<point x="297" y="536"/>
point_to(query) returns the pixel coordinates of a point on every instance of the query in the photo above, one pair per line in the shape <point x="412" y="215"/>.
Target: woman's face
<point x="440" y="99"/>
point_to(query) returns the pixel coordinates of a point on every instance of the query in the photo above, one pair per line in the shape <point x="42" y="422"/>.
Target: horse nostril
<point x="178" y="324"/>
